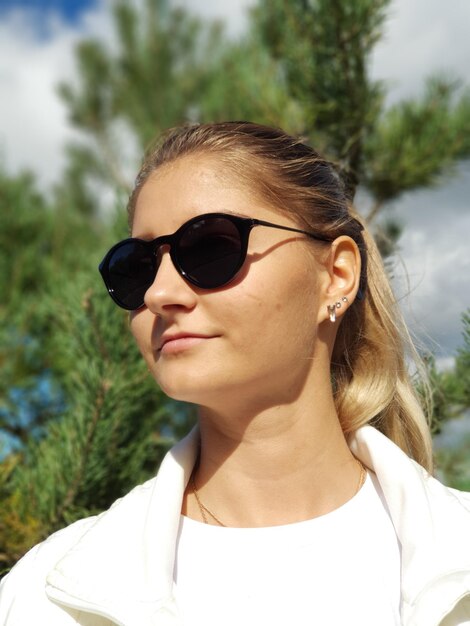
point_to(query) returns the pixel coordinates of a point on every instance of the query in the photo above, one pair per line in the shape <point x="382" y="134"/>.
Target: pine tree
<point x="34" y="250"/>
<point x="112" y="432"/>
<point x="323" y="49"/>
<point x="303" y="65"/>
<point x="124" y="98"/>
<point x="452" y="388"/>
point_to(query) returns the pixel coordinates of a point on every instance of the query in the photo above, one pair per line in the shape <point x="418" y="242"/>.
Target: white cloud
<point x="234" y="14"/>
<point x="434" y="249"/>
<point x="422" y="37"/>
<point x="33" y="119"/>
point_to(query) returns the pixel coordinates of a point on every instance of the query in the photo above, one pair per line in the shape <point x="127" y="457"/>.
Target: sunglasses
<point x="207" y="251"/>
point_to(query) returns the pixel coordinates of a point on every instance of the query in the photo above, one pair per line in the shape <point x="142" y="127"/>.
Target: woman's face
<point x="254" y="338"/>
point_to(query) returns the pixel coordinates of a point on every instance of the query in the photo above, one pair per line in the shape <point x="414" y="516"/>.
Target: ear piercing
<point x="332" y="308"/>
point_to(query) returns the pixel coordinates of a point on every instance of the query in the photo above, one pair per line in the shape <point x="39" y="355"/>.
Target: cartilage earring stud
<point x="344" y="299"/>
<point x="332" y="312"/>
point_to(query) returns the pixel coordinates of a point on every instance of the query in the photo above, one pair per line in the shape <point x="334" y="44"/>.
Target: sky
<point x="37" y="40"/>
<point x="69" y="10"/>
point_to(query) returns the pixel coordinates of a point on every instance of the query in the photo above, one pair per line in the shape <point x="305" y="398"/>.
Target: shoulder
<point x="463" y="497"/>
<point x="147" y="515"/>
<point x="22" y="592"/>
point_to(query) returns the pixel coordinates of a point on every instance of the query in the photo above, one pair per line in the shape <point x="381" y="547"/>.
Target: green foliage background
<point x="83" y="419"/>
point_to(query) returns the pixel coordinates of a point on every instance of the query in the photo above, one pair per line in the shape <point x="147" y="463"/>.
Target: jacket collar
<point x="432" y="523"/>
<point x="132" y="581"/>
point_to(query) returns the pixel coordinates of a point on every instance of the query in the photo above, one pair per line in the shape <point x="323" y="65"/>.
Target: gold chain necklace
<point x="205" y="511"/>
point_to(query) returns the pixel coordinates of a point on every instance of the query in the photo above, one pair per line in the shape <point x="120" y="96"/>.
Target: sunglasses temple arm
<point x="256" y="222"/>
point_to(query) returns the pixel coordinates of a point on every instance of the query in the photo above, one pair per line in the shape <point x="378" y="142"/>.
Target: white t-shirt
<point x="339" y="569"/>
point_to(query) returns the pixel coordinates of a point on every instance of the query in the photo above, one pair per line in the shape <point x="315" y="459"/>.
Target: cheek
<point x="277" y="319"/>
<point x="141" y="328"/>
<point x="293" y="323"/>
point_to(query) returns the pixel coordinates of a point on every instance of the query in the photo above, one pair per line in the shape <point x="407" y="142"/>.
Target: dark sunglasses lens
<point x="132" y="269"/>
<point x="210" y="252"/>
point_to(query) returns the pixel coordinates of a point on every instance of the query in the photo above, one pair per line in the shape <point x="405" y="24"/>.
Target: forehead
<point x="187" y="187"/>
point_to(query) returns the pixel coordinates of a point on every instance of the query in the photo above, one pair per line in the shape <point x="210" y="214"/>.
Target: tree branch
<point x="374" y="211"/>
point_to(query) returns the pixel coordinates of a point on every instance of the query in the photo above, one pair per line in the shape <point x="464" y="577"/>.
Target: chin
<point x="203" y="388"/>
<point x="187" y="388"/>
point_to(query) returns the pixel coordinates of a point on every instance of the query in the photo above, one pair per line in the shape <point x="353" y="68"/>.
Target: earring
<point x="332" y="312"/>
<point x="332" y="308"/>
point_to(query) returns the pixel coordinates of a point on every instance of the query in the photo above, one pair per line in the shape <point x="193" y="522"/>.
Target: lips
<point x="181" y="339"/>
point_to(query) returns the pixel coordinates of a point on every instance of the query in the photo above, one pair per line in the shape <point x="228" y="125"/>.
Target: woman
<point x="303" y="497"/>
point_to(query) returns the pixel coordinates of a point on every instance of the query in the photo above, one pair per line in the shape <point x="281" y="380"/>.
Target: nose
<point x="169" y="290"/>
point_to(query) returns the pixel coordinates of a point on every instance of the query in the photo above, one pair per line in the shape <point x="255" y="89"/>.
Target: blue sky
<point x="69" y="10"/>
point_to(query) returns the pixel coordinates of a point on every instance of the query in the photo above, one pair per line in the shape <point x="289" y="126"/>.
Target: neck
<point x="282" y="464"/>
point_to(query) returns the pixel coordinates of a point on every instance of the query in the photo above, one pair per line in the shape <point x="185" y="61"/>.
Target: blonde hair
<point x="371" y="382"/>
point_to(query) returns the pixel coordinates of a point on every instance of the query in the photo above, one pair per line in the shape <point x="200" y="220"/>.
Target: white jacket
<point x="117" y="568"/>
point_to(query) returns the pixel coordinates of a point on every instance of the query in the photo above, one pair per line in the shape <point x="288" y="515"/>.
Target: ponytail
<point x="370" y="376"/>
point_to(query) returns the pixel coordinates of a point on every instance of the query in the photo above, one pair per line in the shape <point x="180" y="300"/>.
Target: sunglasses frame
<point x="244" y="226"/>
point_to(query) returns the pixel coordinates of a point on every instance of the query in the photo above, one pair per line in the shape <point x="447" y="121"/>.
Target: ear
<point x="340" y="279"/>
